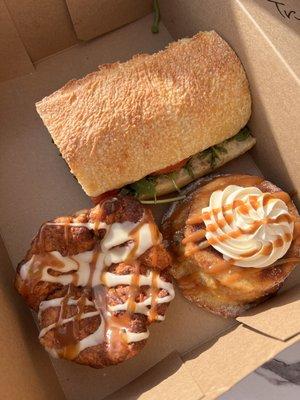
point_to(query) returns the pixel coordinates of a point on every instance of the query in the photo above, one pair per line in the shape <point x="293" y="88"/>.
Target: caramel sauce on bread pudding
<point x="97" y="279"/>
<point x="234" y="240"/>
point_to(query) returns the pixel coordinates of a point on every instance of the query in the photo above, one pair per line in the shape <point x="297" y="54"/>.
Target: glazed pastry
<point x="97" y="280"/>
<point x="234" y="241"/>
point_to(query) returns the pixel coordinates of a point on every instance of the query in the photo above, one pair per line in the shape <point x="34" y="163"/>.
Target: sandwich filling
<point x="172" y="178"/>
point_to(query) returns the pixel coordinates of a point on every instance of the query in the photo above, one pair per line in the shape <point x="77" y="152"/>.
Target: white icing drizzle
<point x="252" y="228"/>
<point x="92" y="226"/>
<point x="88" y="269"/>
<point x="56" y="302"/>
<point x="111" y="253"/>
<point x="65" y="321"/>
<point x="140" y="307"/>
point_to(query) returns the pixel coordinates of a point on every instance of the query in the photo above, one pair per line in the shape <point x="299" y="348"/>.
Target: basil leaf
<point x="242" y="135"/>
<point x="204" y="154"/>
<point x="221" y="149"/>
<point x="214" y="157"/>
<point x="189" y="169"/>
<point x="144" y="187"/>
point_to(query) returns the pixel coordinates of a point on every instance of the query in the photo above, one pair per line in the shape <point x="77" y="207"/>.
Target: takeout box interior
<point x="193" y="354"/>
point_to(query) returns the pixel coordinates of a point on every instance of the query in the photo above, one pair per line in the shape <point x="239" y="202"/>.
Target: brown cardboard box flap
<point x="24" y="365"/>
<point x="37" y="30"/>
<point x="45" y="27"/>
<point x="280" y="23"/>
<point x="14" y="58"/>
<point x="92" y="18"/>
<point x="279" y="317"/>
<point x="167" y="380"/>
<point x="223" y="361"/>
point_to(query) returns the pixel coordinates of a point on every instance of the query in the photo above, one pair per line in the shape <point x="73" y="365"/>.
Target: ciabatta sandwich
<point x="154" y="123"/>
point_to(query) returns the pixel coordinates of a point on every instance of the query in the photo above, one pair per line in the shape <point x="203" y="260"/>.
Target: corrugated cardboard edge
<point x="222" y="362"/>
<point x="207" y="371"/>
<point x="19" y="347"/>
<point x="278" y="318"/>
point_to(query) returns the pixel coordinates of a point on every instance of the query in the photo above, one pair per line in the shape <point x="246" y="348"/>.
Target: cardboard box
<point x="193" y="354"/>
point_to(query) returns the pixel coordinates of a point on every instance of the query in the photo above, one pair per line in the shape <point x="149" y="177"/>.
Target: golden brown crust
<point x="120" y="123"/>
<point x="216" y="292"/>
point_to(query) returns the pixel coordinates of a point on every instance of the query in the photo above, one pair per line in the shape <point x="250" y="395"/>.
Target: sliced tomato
<point x="171" y="168"/>
<point x="103" y="196"/>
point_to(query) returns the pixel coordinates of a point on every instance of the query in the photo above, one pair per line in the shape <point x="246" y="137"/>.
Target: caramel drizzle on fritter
<point x="115" y="321"/>
<point x="134" y="289"/>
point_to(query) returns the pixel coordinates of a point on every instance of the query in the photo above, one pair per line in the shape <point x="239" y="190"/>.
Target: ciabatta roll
<point x="128" y="120"/>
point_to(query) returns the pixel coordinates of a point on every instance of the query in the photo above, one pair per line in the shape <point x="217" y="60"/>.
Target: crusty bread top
<point x="118" y="124"/>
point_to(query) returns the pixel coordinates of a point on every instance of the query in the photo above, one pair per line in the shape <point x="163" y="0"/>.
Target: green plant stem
<point x="162" y="201"/>
<point x="156" y="17"/>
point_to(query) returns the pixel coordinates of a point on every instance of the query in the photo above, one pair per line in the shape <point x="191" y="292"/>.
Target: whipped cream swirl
<point x="247" y="226"/>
